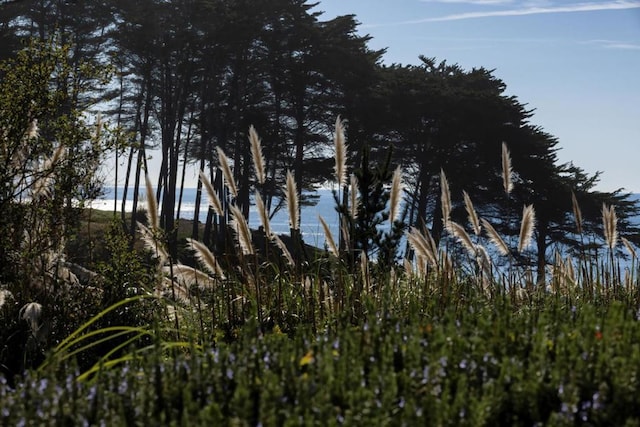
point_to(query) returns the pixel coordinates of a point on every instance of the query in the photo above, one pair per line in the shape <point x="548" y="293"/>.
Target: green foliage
<point x="558" y="361"/>
<point x="49" y="158"/>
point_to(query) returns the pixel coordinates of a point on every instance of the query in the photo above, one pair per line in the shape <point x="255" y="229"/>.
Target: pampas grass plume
<point x="327" y="234"/>
<point x="627" y="244"/>
<point x="396" y="195"/>
<point x="458" y="231"/>
<point x="495" y="238"/>
<point x="610" y="223"/>
<point x="243" y="233"/>
<point x="445" y="198"/>
<point x="526" y="227"/>
<point x="151" y="243"/>
<point x="226" y="171"/>
<point x="214" y="200"/>
<point x="256" y="154"/>
<point x="291" y="195"/>
<point x="421" y="245"/>
<point x="341" y="154"/>
<point x="285" y="251"/>
<point x="473" y="216"/>
<point x="152" y="205"/>
<point x="577" y="213"/>
<point x="354" y="201"/>
<point x="206" y="257"/>
<point x="262" y="213"/>
<point x="506" y="169"/>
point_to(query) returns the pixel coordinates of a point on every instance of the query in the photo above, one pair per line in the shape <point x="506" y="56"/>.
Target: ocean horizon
<point x="310" y="226"/>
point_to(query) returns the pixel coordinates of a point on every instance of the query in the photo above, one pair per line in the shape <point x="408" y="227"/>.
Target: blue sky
<point x="577" y="63"/>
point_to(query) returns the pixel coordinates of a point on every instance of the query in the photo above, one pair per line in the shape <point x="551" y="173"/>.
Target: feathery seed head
<point x="256" y="154"/>
<point x="445" y="198"/>
<point x="291" y="195"/>
<point x="152" y="205"/>
<point x="396" y="195"/>
<point x="495" y="238"/>
<point x="341" y="154"/>
<point x="329" y="237"/>
<point x="460" y="233"/>
<point x="610" y="224"/>
<point x="577" y="214"/>
<point x="506" y="169"/>
<point x="206" y="257"/>
<point x="526" y="227"/>
<point x="226" y="171"/>
<point x="241" y="228"/>
<point x="354" y="200"/>
<point x="473" y="216"/>
<point x="262" y="213"/>
<point x="214" y="200"/>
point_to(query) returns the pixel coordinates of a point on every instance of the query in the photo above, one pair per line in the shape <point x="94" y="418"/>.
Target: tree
<point x="372" y="233"/>
<point x="48" y="159"/>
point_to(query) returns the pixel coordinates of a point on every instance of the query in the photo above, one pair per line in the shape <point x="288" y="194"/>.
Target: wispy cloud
<point x="477" y="2"/>
<point x="528" y="10"/>
<point x="614" y="44"/>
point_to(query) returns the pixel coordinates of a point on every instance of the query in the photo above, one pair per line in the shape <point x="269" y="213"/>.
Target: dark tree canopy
<point x="191" y="76"/>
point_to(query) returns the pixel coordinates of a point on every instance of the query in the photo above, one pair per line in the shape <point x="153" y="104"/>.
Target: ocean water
<point x="310" y="227"/>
